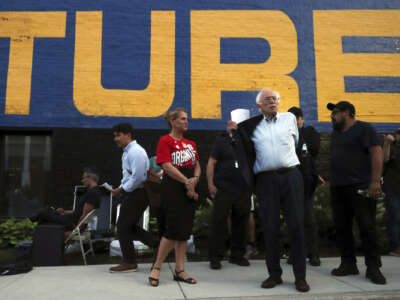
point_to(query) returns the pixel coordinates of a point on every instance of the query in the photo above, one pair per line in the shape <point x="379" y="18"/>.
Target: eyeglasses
<point x="270" y="99"/>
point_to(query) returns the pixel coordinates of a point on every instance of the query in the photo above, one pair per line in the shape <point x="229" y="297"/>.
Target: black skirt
<point x="177" y="207"/>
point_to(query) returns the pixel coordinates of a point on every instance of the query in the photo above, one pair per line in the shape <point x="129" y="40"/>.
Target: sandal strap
<point x="178" y="272"/>
<point x="153" y="279"/>
<point x="155" y="268"/>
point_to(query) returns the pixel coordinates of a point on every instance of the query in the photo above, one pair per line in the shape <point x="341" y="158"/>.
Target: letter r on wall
<point x="210" y="77"/>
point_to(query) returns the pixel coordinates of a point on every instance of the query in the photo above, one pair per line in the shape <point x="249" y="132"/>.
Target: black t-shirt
<point x="307" y="150"/>
<point x="227" y="175"/>
<point x="392" y="170"/>
<point x="92" y="196"/>
<point x="350" y="157"/>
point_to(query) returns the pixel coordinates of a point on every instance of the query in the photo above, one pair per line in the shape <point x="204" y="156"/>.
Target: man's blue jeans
<point x="393" y="219"/>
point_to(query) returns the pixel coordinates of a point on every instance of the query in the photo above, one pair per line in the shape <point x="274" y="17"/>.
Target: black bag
<point x="48" y="245"/>
<point x="15" y="268"/>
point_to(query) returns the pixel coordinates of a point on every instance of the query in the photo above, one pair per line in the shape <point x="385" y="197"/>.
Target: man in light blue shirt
<point x="135" y="165"/>
<point x="266" y="146"/>
<point x="134" y="201"/>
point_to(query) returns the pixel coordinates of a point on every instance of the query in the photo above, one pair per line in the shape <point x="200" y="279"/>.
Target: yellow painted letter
<point x="91" y="98"/>
<point x="332" y="65"/>
<point x="210" y="77"/>
<point x="22" y="28"/>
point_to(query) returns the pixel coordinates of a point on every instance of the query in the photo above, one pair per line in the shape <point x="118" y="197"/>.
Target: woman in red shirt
<point x="179" y="159"/>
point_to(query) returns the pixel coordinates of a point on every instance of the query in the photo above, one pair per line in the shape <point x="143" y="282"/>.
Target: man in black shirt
<point x="391" y="179"/>
<point x="307" y="151"/>
<point x="85" y="204"/>
<point x="356" y="165"/>
<point x="230" y="192"/>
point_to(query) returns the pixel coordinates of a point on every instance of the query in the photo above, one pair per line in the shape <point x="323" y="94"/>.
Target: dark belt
<point x="131" y="193"/>
<point x="278" y="171"/>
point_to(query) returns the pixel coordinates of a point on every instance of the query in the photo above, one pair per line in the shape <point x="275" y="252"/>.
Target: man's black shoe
<point x="270" y="282"/>
<point x="314" y="261"/>
<point x="215" y="264"/>
<point x="345" y="269"/>
<point x="302" y="285"/>
<point x="241" y="261"/>
<point x="375" y="275"/>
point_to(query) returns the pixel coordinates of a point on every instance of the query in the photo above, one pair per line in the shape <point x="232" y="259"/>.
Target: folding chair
<point x="79" y="190"/>
<point x="104" y="229"/>
<point x="82" y="235"/>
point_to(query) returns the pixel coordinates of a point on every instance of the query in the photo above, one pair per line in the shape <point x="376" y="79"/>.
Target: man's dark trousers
<point x="346" y="205"/>
<point x="48" y="215"/>
<point x="132" y="207"/>
<point x="273" y="191"/>
<point x="240" y="204"/>
<point x="310" y="226"/>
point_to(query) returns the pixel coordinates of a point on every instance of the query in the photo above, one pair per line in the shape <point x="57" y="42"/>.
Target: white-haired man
<point x="267" y="145"/>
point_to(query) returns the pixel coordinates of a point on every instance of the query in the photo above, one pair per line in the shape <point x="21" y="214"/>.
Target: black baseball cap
<point x="343" y="106"/>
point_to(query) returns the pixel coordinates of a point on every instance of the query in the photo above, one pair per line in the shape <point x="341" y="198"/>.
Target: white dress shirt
<point x="135" y="165"/>
<point x="275" y="143"/>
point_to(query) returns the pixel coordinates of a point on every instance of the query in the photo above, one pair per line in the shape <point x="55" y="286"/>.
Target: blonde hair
<point x="173" y="115"/>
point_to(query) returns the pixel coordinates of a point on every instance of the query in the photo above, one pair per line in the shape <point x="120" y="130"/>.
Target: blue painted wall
<point x="125" y="62"/>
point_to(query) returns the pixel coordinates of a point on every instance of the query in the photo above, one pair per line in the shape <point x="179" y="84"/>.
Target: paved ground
<point x="231" y="282"/>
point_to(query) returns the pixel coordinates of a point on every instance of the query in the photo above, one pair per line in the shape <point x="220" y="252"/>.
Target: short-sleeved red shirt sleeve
<point x="182" y="153"/>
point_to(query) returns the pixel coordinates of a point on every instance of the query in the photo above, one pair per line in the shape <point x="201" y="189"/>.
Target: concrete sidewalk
<point x="231" y="282"/>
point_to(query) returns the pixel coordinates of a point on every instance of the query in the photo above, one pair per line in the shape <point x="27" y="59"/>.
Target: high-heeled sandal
<point x="154" y="281"/>
<point x="189" y="280"/>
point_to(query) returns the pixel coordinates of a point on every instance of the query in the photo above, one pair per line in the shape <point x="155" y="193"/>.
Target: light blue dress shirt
<point x="135" y="165"/>
<point x="275" y="143"/>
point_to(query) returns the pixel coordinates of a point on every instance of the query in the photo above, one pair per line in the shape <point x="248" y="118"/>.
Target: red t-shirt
<point x="182" y="153"/>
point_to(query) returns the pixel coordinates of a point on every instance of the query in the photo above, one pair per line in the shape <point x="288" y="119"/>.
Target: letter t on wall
<point x="22" y="28"/>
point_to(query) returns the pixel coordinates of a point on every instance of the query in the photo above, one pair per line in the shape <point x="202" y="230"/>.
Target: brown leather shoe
<point x="124" y="267"/>
<point x="302" y="285"/>
<point x="395" y="252"/>
<point x="270" y="282"/>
